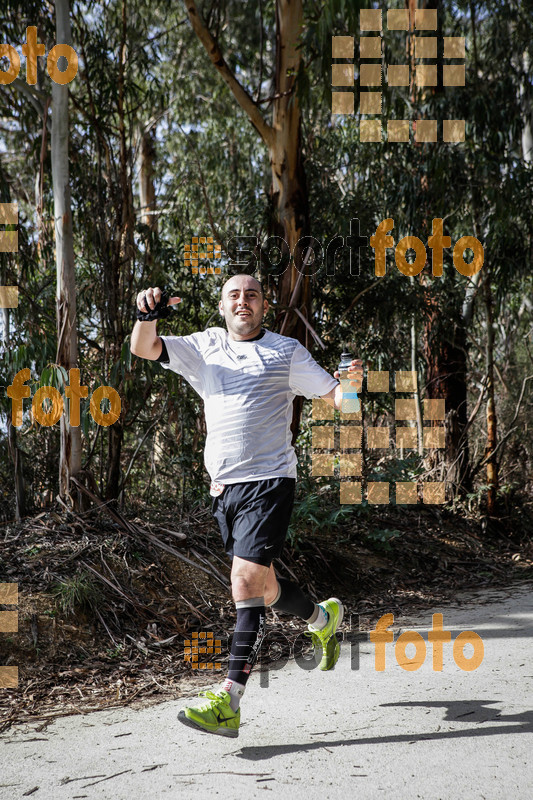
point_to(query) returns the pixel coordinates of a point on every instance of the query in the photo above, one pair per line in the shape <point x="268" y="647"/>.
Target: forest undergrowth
<point x="108" y="597"/>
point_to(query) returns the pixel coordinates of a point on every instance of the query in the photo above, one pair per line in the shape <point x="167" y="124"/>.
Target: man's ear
<point x="220" y="311"/>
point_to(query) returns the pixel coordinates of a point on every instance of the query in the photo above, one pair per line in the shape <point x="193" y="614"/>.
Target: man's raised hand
<point x="154" y="304"/>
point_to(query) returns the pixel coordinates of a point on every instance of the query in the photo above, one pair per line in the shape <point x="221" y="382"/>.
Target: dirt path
<point x="352" y="732"/>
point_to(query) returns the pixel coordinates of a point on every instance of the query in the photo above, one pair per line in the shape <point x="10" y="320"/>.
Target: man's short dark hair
<point x="247" y="275"/>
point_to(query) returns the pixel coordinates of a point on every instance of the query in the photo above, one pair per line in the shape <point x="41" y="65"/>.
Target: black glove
<point x="159" y="311"/>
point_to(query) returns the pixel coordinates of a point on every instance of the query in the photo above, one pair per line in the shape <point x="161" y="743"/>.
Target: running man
<point x="247" y="377"/>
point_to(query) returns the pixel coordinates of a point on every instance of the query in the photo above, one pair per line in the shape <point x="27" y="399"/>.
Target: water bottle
<point x="350" y="401"/>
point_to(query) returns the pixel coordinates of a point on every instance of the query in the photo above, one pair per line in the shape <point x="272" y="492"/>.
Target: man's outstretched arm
<point x="145" y="342"/>
<point x="334" y="397"/>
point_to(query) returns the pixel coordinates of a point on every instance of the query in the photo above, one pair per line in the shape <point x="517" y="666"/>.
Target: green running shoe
<point x="326" y="638"/>
<point x="214" y="716"/>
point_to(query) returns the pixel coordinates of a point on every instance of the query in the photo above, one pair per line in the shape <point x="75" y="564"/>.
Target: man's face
<point x="243" y="306"/>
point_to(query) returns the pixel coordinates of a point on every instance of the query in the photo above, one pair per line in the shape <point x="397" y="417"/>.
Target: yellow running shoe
<point x="214" y="716"/>
<point x="325" y="637"/>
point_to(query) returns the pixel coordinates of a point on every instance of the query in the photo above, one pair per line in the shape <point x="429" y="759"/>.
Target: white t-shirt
<point x="247" y="388"/>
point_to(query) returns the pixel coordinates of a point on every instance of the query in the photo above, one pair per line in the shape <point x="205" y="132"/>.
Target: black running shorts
<point x="253" y="518"/>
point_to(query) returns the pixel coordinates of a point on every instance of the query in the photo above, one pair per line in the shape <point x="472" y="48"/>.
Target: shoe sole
<point x="229" y="732"/>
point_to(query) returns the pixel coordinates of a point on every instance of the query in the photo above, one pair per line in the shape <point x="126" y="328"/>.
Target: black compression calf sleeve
<point x="247" y="638"/>
<point x="293" y="601"/>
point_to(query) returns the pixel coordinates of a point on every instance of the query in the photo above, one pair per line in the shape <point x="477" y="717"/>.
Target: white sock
<point x="235" y="691"/>
<point x="319" y="619"/>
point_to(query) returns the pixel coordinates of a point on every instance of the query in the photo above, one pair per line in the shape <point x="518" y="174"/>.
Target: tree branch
<point x="214" y="52"/>
<point x="352" y="304"/>
<point x="511" y="430"/>
<point x="37" y="99"/>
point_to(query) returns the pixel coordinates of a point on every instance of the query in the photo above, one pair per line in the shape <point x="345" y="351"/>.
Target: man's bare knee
<point x="241" y="589"/>
<point x="247" y="579"/>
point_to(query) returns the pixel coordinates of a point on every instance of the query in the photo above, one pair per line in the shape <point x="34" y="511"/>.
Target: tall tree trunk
<point x="121" y="268"/>
<point x="527" y="113"/>
<point x="445" y="356"/>
<point x="146" y="180"/>
<point x="147" y="198"/>
<point x="67" y="350"/>
<point x="13" y="449"/>
<point x="414" y="368"/>
<point x="283" y="140"/>
<point x="289" y="192"/>
<point x="148" y="205"/>
<point x="492" y="433"/>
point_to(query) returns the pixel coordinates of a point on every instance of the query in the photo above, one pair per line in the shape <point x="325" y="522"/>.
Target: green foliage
<point x="115" y="652"/>
<point x="53" y="375"/>
<point x="315" y="511"/>
<point x="212" y="176"/>
<point x="78" y="593"/>
<point x="380" y="539"/>
<point x="398" y="469"/>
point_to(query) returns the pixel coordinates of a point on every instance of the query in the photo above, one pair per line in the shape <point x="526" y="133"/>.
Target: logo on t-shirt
<point x="216" y="488"/>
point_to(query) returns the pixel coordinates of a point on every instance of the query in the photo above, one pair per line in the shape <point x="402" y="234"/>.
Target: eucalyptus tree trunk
<point x="445" y="352"/>
<point x="282" y="138"/>
<point x="492" y="425"/>
<point x="147" y="197"/>
<point x="446" y="372"/>
<point x="118" y="276"/>
<point x="289" y="191"/>
<point x="13" y="449"/>
<point x="67" y="350"/>
<point x="148" y="206"/>
<point x="414" y="368"/>
<point x="527" y="111"/>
